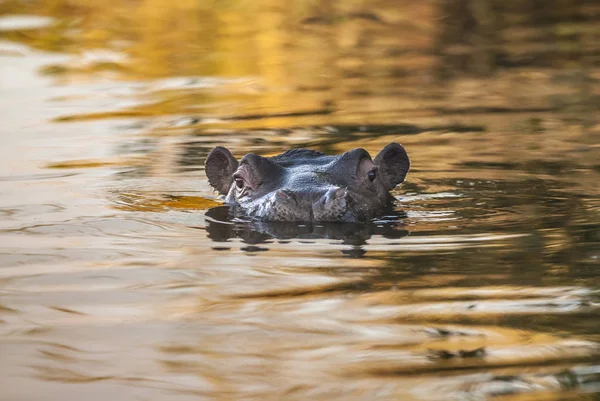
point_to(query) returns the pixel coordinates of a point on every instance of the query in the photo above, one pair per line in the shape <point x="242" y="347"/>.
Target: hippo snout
<point x="327" y="204"/>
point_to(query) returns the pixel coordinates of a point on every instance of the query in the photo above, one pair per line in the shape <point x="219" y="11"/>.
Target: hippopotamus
<point x="308" y="185"/>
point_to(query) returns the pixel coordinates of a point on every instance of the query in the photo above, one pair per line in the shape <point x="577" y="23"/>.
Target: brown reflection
<point x="221" y="228"/>
<point x="289" y="336"/>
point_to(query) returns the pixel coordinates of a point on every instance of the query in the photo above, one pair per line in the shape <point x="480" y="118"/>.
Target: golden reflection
<point x="107" y="115"/>
<point x="117" y="277"/>
<point x="92" y="163"/>
<point x="156" y="203"/>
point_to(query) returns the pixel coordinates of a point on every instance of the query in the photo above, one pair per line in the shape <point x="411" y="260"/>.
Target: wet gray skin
<point x="307" y="185"/>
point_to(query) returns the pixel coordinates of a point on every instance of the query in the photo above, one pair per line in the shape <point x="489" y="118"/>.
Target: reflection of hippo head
<point x="306" y="185"/>
<point x="221" y="228"/>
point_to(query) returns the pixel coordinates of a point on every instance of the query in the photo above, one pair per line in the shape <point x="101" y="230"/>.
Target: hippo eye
<point x="239" y="182"/>
<point x="372" y="175"/>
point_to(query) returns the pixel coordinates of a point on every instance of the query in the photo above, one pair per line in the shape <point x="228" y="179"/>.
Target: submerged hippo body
<point x="307" y="185"/>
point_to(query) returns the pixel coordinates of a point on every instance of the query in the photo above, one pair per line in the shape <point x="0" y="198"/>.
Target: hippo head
<point x="306" y="185"/>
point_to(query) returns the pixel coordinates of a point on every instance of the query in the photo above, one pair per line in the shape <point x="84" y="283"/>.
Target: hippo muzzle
<point x="290" y="205"/>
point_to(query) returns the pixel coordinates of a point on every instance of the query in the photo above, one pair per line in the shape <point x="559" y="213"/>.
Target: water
<point x="121" y="275"/>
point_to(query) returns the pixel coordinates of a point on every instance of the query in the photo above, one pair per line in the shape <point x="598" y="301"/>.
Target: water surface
<point x="121" y="275"/>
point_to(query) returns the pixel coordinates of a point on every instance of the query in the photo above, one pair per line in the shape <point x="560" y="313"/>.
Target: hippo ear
<point x="393" y="165"/>
<point x="220" y="166"/>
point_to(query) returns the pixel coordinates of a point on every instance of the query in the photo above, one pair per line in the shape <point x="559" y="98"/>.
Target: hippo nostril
<point x="340" y="193"/>
<point x="285" y="195"/>
<point x="334" y="194"/>
<point x="332" y="205"/>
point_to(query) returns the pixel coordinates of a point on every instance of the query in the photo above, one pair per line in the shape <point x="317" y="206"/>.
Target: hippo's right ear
<point x="393" y="165"/>
<point x="220" y="166"/>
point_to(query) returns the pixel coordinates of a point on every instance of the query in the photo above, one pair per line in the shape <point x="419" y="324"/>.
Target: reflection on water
<point x="122" y="275"/>
<point x="221" y="227"/>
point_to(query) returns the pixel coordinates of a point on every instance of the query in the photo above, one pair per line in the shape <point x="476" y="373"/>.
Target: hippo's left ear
<point x="393" y="165"/>
<point x="220" y="166"/>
